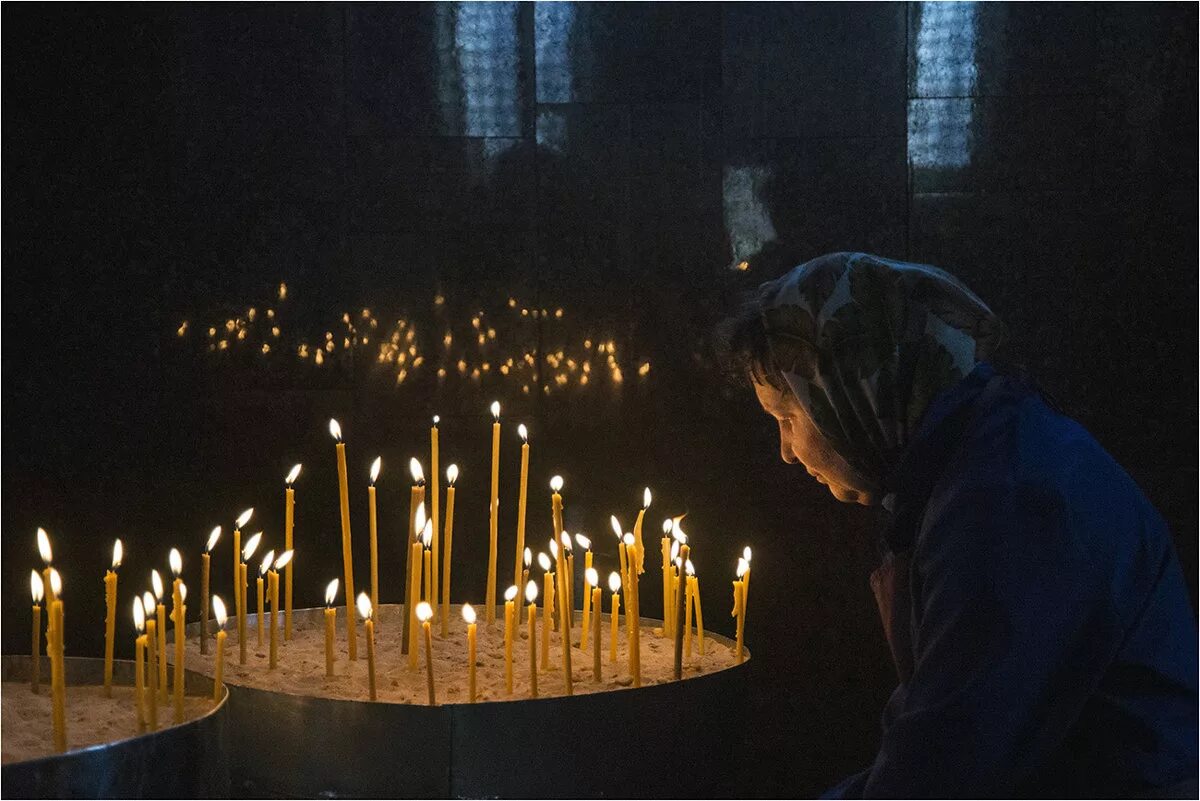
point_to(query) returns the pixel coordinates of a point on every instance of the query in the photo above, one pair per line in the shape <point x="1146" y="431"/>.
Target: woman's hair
<point x="742" y="348"/>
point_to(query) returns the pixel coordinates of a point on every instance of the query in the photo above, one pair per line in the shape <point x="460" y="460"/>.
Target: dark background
<point x="164" y="165"/>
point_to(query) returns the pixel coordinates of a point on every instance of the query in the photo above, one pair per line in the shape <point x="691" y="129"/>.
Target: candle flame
<point x="436" y="420"/>
<point x="678" y="533"/>
<point x="616" y="526"/>
<point x="424" y="611"/>
<point x="55" y="583"/>
<point x="118" y="554"/>
<point x="667" y="525"/>
<point x="331" y="592"/>
<point x="584" y="542"/>
<point x="742" y="567"/>
<point x="468" y="611"/>
<point x="427" y="534"/>
<point x="251" y="546"/>
<point x="544" y="561"/>
<point x="43" y="541"/>
<point x="219" y="611"/>
<point x="531" y="591"/>
<point x="510" y="593"/>
<point x="182" y="592"/>
<point x="139" y="615"/>
<point x="244" y="517"/>
<point x="646" y="498"/>
<point x="691" y="570"/>
<point x="175" y="559"/>
<point x="364" y="606"/>
<point x="419" y="518"/>
<point x="566" y="540"/>
<point x="528" y="556"/>
<point x="523" y="433"/>
<point x="266" y="562"/>
<point x="554" y="550"/>
<point x="627" y="539"/>
<point x="148" y="603"/>
<point x="37" y="588"/>
<point x="746" y="554"/>
<point x="496" y="410"/>
<point x="592" y="577"/>
<point x="213" y="536"/>
<point x="414" y="467"/>
<point x="156" y="584"/>
<point x="335" y="429"/>
<point x="556" y="484"/>
<point x="674" y="550"/>
<point x="452" y="474"/>
<point x="284" y="558"/>
<point x="614" y="582"/>
<point x="292" y="475"/>
<point x="376" y="466"/>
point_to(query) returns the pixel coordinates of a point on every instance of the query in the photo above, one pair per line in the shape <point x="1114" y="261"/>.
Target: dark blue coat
<point x="1036" y="611"/>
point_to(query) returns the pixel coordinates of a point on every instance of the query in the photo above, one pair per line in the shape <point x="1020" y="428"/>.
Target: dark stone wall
<point x="165" y="165"/>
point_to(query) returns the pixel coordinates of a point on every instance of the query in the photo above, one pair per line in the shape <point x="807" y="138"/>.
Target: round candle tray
<point x="190" y="760"/>
<point x="677" y="740"/>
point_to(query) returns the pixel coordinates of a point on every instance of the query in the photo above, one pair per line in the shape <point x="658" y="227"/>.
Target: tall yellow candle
<point x="58" y="668"/>
<point x="680" y="622"/>
<point x="699" y="612"/>
<point x="666" y="578"/>
<point x="451" y="477"/>
<point x="347" y="551"/>
<point x="435" y="513"/>
<point x="586" y="544"/>
<point x="621" y="554"/>
<point x="416" y="525"/>
<point x="531" y="597"/>
<point x="178" y="616"/>
<point x="160" y="618"/>
<point x="364" y="609"/>
<point x="548" y="591"/>
<point x="262" y="609"/>
<point x="289" y="525"/>
<point x="746" y="554"/>
<point x="596" y="599"/>
<point x="205" y="572"/>
<point x="489" y="607"/>
<point x="149" y="605"/>
<point x="687" y="615"/>
<point x="510" y="625"/>
<point x="637" y="532"/>
<point x="414" y="599"/>
<point x="110" y="617"/>
<point x="591" y="591"/>
<point x="634" y="620"/>
<point x="139" y="661"/>
<point x="614" y="585"/>
<point x="219" y="668"/>
<point x="272" y="640"/>
<point x="330" y="625"/>
<point x="239" y="585"/>
<point x="44" y="550"/>
<point x="556" y="485"/>
<point x="468" y="613"/>
<point x="739" y="608"/>
<point x="424" y="613"/>
<point x="37" y="589"/>
<point x="375" y="467"/>
<point x="565" y="613"/>
<point x="244" y="583"/>
<point x="521" y="501"/>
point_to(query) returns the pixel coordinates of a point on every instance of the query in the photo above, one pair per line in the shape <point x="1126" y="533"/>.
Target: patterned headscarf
<point x="865" y="343"/>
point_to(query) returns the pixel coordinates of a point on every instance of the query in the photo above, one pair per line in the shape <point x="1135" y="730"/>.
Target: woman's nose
<point x="785" y="449"/>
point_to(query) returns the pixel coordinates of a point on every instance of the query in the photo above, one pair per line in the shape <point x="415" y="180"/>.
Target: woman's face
<point x="801" y="443"/>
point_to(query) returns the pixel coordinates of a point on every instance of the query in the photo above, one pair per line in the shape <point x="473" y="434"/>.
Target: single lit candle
<point x="364" y="609"/>
<point x="633" y="619"/>
<point x="621" y="554"/>
<point x="531" y="596"/>
<point x="139" y="662"/>
<point x="347" y="552"/>
<point x="289" y="525"/>
<point x="687" y="607"/>
<point x="376" y="466"/>
<point x="548" y="591"/>
<point x="746" y="554"/>
<point x="739" y="607"/>
<point x="468" y="613"/>
<point x="586" y="544"/>
<point x="239" y="600"/>
<point x="451" y="477"/>
<point x="568" y="579"/>
<point x="614" y="585"/>
<point x="680" y="622"/>
<point x="261" y="617"/>
<point x="435" y="514"/>
<point x="281" y="563"/>
<point x="37" y="589"/>
<point x="427" y="562"/>
<point x="521" y="503"/>
<point x="414" y="598"/>
<point x="149" y="605"/>
<point x="592" y="579"/>
<point x="637" y="532"/>
<point x="666" y="577"/>
<point x="489" y="607"/>
<point x="205" y="570"/>
<point x="58" y="678"/>
<point x="178" y="616"/>
<point x="330" y="624"/>
<point x="243" y="573"/>
<point x="567" y="613"/>
<point x="110" y="617"/>
<point x="699" y="612"/>
<point x="416" y="524"/>
<point x="219" y="670"/>
<point x="424" y="613"/>
<point x="160" y="618"/>
<point x="510" y="625"/>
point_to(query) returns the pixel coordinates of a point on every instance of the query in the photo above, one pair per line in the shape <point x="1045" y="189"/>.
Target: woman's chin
<point x="847" y="495"/>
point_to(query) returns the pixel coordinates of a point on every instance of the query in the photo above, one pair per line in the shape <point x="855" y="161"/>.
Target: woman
<point x="1031" y="596"/>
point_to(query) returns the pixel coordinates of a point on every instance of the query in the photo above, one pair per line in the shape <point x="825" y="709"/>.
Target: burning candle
<point x="592" y="579"/>
<point x="178" y="616"/>
<point x="424" y="613"/>
<point x="347" y="552"/>
<point x="746" y="577"/>
<point x="451" y="477"/>
<point x="160" y="618"/>
<point x="739" y="606"/>
<point x="205" y="568"/>
<point x="110" y="616"/>
<point x="219" y="670"/>
<point x="510" y="622"/>
<point x="666" y="577"/>
<point x="468" y="613"/>
<point x="37" y="589"/>
<point x="139" y="661"/>
<point x="489" y="608"/>
<point x="680" y="623"/>
<point x="621" y="555"/>
<point x="637" y="532"/>
<point x="521" y="500"/>
<point x="566" y="613"/>
<point x="58" y="679"/>
<point x="281" y="563"/>
<point x="364" y="609"/>
<point x="435" y="514"/>
<point x="568" y="579"/>
<point x="289" y="524"/>
<point x="412" y="588"/>
<point x="148" y="607"/>
<point x="586" y="544"/>
<point x="261" y="617"/>
<point x="330" y="623"/>
<point x="687" y="609"/>
<point x="243" y="581"/>
<point x="376" y="466"/>
<point x="614" y="585"/>
<point x="548" y="591"/>
<point x="531" y="596"/>
<point x="674" y="587"/>
<point x="239" y="601"/>
<point x="427" y="562"/>
<point x="699" y="612"/>
<point x="43" y="543"/>
<point x="633" y="619"/>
